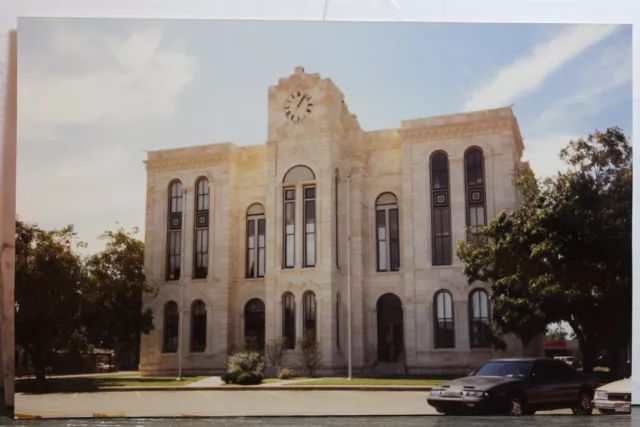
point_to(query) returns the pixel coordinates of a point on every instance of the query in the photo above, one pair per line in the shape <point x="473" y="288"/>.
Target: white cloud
<point x="142" y="81"/>
<point x="612" y="71"/>
<point x="528" y="73"/>
<point x="543" y="152"/>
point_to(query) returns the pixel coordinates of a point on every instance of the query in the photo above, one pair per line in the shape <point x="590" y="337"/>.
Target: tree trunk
<point x="615" y="365"/>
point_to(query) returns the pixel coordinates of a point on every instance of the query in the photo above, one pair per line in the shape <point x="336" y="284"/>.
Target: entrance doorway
<point x="390" y="328"/>
<point x="254" y="324"/>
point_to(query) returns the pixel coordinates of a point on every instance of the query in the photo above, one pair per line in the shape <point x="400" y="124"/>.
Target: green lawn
<point x="372" y="382"/>
<point x="54" y="385"/>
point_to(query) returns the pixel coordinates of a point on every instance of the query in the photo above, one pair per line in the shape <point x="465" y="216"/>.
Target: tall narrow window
<point x="387" y="232"/>
<point x="479" y="316"/>
<point x="309" y="214"/>
<point x="309" y="314"/>
<point x="201" y="252"/>
<point x="444" y="333"/>
<point x="171" y="328"/>
<point x="289" y="227"/>
<point x="299" y="181"/>
<point x="289" y="320"/>
<point x="337" y="214"/>
<point x="174" y="232"/>
<point x="254" y="318"/>
<point x="474" y="174"/>
<point x="198" y="327"/>
<point x="256" y="241"/>
<point x="338" y="321"/>
<point x="440" y="213"/>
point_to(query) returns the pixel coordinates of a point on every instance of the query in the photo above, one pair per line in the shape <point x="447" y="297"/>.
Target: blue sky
<point x="94" y="94"/>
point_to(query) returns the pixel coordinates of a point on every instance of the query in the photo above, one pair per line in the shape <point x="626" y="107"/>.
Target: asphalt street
<point x="231" y="404"/>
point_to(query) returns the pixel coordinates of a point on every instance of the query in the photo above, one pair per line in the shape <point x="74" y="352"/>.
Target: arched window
<point x="201" y="250"/>
<point x="171" y="327"/>
<point x="475" y="192"/>
<point x="198" y="327"/>
<point x="444" y="333"/>
<point x="387" y="232"/>
<point x="479" y="316"/>
<point x="256" y="241"/>
<point x="254" y="324"/>
<point x="440" y="213"/>
<point x="299" y="179"/>
<point x="174" y="232"/>
<point x="309" y="314"/>
<point x="289" y="320"/>
<point x="338" y="308"/>
<point x="336" y="183"/>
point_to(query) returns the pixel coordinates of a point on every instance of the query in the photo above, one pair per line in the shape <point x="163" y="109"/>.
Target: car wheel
<point x="584" y="404"/>
<point x="516" y="407"/>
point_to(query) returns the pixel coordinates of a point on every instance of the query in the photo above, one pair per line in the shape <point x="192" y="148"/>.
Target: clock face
<point x="298" y="107"/>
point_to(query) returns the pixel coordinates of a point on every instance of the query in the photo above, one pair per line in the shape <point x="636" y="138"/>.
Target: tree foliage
<point x="117" y="284"/>
<point x="67" y="302"/>
<point x="49" y="293"/>
<point x="565" y="253"/>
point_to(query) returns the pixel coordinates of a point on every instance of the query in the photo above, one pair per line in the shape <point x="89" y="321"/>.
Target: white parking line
<point x="204" y="394"/>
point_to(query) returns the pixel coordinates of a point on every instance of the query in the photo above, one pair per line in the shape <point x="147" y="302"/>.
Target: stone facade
<point x="310" y="125"/>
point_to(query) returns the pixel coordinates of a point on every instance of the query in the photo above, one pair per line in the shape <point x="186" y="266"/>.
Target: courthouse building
<point x="253" y="242"/>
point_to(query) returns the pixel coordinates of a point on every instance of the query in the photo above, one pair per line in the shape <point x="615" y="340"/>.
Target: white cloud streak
<point x="528" y="73"/>
<point x="143" y="81"/>
<point x="612" y="71"/>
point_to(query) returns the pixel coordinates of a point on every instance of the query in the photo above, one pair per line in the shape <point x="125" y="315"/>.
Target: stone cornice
<point x="180" y="163"/>
<point x="458" y="130"/>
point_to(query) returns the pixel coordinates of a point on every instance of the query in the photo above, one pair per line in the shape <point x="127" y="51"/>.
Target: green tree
<point x="558" y="333"/>
<point x="117" y="286"/>
<point x="565" y="253"/>
<point x="49" y="290"/>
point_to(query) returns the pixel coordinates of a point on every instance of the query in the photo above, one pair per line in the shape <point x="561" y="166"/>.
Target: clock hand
<point x="302" y="99"/>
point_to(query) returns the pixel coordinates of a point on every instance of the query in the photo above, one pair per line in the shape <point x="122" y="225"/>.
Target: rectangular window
<point x="251" y="246"/>
<point x="381" y="227"/>
<point x="394" y="240"/>
<point x="309" y="215"/>
<point x="202" y="253"/>
<point x="289" y="227"/>
<point x="442" y="237"/>
<point x="262" y="259"/>
<point x="173" y="261"/>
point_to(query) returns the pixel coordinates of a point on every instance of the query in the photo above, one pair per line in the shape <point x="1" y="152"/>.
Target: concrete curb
<point x="251" y="388"/>
<point x="228" y="417"/>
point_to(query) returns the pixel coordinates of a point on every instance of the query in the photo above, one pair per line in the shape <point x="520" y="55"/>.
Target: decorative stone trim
<point x="454" y="130"/>
<point x="187" y="162"/>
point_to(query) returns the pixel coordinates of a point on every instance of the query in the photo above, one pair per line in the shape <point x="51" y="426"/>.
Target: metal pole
<point x="349" y="352"/>
<point x="181" y="316"/>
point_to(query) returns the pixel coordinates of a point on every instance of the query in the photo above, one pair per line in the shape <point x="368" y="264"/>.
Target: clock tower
<point x="304" y="105"/>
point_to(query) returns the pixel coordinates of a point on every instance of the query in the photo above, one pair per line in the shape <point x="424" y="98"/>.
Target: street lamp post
<point x="349" y="351"/>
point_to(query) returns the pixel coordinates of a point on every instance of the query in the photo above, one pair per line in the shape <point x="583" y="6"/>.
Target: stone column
<point x="7" y="219"/>
<point x="407" y="256"/>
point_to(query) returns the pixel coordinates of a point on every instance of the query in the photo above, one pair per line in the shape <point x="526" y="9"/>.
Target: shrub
<point x="310" y="352"/>
<point x="247" y="378"/>
<point x="285" y="374"/>
<point x="274" y="351"/>
<point x="230" y="377"/>
<point x="246" y="362"/>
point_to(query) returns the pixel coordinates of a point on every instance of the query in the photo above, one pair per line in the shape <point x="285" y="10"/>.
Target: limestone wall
<point x="331" y="143"/>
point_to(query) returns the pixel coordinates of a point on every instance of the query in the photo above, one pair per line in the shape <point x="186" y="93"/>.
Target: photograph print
<point x="436" y="214"/>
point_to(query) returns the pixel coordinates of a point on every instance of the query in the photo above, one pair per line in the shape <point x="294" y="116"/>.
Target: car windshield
<point x="508" y="369"/>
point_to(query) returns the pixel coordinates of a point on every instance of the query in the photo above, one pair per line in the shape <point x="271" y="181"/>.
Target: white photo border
<point x="513" y="11"/>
